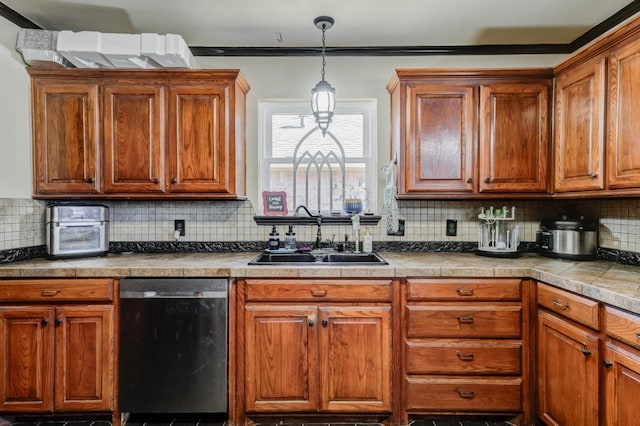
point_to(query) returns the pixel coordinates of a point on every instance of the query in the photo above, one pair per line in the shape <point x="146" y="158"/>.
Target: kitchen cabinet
<point x="66" y="128"/>
<point x="623" y="157"/>
<point x="622" y="367"/>
<point x="317" y="346"/>
<point x="579" y="127"/>
<point x="466" y="345"/>
<point x="157" y="133"/>
<point x="57" y="345"/>
<point x="568" y="358"/>
<point x="463" y="133"/>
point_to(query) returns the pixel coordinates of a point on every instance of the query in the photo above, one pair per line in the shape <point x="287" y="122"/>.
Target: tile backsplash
<point x="22" y="221"/>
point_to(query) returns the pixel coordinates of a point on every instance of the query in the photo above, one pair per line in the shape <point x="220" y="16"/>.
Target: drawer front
<point x="572" y="306"/>
<point x="500" y="321"/>
<point x="57" y="290"/>
<point x="446" y="394"/>
<point x="622" y="326"/>
<point x="464" y="357"/>
<point x="319" y="290"/>
<point x="464" y="289"/>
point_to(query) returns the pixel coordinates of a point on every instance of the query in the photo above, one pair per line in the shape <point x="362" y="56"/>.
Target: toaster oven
<point x="77" y="230"/>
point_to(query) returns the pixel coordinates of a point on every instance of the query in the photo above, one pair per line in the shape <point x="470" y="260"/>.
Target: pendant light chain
<point x="324" y="61"/>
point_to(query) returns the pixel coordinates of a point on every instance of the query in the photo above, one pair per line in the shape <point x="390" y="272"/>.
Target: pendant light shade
<point x="323" y="96"/>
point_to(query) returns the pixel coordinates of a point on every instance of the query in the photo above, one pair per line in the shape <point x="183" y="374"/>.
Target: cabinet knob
<point x="469" y="180"/>
<point x="58" y="321"/>
<point x="44" y="321"/>
<point x="325" y="322"/>
<point x="465" y="320"/>
<point x="156" y="180"/>
<point x="586" y="352"/>
<point x="174" y="180"/>
<point x="607" y="363"/>
<point x="91" y="180"/>
<point x="593" y="175"/>
<point x="638" y="336"/>
<point x="487" y="180"/>
<point x="465" y="394"/>
<point x="310" y="322"/>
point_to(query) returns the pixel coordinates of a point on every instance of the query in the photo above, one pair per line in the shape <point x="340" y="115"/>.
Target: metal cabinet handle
<point x="465" y="357"/>
<point x="325" y="323"/>
<point x="318" y="293"/>
<point x="49" y="292"/>
<point x="487" y="180"/>
<point x="44" y="322"/>
<point x="58" y="321"/>
<point x="156" y="180"/>
<point x="91" y="180"/>
<point x="593" y="175"/>
<point x="465" y="291"/>
<point x="174" y="180"/>
<point x="586" y="352"/>
<point x="638" y="335"/>
<point x="465" y="394"/>
<point x="310" y="322"/>
<point x="607" y="363"/>
<point x="465" y="320"/>
<point x="469" y="180"/>
<point x="563" y="306"/>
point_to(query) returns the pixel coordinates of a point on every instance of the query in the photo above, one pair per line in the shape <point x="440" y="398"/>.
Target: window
<point x="329" y="169"/>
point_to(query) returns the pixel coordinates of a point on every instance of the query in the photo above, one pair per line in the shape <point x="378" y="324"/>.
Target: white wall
<point x="15" y="124"/>
<point x="270" y="78"/>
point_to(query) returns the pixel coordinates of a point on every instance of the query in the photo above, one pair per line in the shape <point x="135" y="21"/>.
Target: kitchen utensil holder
<point x="494" y="238"/>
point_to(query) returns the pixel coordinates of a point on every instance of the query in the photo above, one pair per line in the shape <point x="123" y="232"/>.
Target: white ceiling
<point x="289" y="23"/>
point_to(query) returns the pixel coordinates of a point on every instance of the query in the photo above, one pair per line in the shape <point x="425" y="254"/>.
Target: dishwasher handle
<point x="152" y="294"/>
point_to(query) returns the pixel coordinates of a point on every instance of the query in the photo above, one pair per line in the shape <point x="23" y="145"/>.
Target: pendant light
<point x="323" y="96"/>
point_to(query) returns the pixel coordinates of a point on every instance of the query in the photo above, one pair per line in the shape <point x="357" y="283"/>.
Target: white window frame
<point x="367" y="107"/>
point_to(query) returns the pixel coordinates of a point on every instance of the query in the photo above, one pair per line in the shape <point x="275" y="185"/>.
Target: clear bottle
<point x="274" y="239"/>
<point x="290" y="239"/>
<point x="367" y="241"/>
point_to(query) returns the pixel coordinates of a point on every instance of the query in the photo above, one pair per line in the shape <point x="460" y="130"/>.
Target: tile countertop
<point x="611" y="283"/>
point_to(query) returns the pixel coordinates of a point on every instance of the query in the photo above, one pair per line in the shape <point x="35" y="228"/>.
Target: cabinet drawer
<point x="464" y="289"/>
<point x="572" y="306"/>
<point x="319" y="290"/>
<point x="464" y="357"/>
<point x="502" y="321"/>
<point x="622" y="326"/>
<point x="56" y="290"/>
<point x="464" y="394"/>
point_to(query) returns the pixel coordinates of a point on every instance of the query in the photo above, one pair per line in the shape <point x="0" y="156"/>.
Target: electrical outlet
<point x="452" y="228"/>
<point x="400" y="231"/>
<point x="179" y="225"/>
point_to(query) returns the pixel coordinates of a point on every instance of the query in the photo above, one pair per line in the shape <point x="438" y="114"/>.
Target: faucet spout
<point x="303" y="207"/>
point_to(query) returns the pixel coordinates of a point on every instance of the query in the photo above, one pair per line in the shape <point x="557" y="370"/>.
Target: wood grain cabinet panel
<point x="514" y="137"/>
<point x="65" y="137"/>
<point x="134" y="160"/>
<point x="579" y="128"/>
<point x="623" y="155"/>
<point x="568" y="365"/>
<point x="622" y="385"/>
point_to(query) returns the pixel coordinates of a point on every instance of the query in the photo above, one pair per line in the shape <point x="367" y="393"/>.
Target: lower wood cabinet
<point x="466" y="348"/>
<point x="57" y="347"/>
<point x="317" y="346"/>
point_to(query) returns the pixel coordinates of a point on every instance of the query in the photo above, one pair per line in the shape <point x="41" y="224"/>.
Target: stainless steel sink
<point x="318" y="258"/>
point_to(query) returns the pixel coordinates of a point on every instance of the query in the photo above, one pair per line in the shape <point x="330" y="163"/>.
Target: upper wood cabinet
<point x="623" y="155"/>
<point x="579" y="128"/>
<point x="155" y="133"/>
<point x="461" y="133"/>
<point x="65" y="137"/>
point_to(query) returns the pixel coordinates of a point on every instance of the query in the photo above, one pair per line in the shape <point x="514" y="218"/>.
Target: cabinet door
<point x="201" y="158"/>
<point x="355" y="360"/>
<point x="65" y="138"/>
<point x="133" y="139"/>
<point x="579" y="128"/>
<point x="280" y="358"/>
<point x="84" y="358"/>
<point x="26" y="359"/>
<point x="440" y="146"/>
<point x="514" y="137"/>
<point x="623" y="155"/>
<point x="622" y="382"/>
<point x="567" y="372"/>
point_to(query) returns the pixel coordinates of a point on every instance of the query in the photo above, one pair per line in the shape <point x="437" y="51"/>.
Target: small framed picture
<point x="275" y="203"/>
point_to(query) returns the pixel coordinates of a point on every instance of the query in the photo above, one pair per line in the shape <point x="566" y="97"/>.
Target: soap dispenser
<point x="274" y="239"/>
<point x="290" y="239"/>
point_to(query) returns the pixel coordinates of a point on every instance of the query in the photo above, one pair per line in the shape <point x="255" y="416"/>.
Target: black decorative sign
<point x="275" y="203"/>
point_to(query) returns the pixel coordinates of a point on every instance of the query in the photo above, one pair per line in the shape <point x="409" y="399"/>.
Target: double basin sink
<point x="267" y="258"/>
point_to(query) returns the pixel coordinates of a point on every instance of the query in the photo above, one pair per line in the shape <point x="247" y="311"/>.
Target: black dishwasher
<point x="173" y="345"/>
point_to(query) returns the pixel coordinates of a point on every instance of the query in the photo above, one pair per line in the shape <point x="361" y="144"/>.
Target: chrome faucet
<point x="318" y="219"/>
